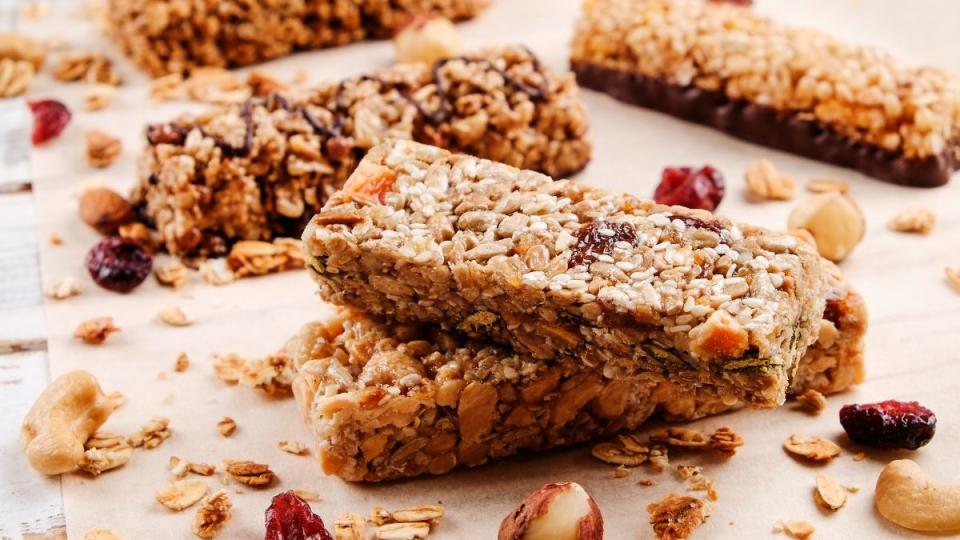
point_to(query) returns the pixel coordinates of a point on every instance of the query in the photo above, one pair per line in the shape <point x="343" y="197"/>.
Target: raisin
<point x="49" y="118"/>
<point x="694" y="188"/>
<point x="598" y="238"/>
<point x="119" y="264"/>
<point x="889" y="424"/>
<point x="290" y="518"/>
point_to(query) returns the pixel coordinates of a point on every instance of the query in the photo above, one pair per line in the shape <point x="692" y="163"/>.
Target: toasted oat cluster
<point x="261" y="169"/>
<point x="553" y="267"/>
<point x="170" y="37"/>
<point x="387" y="400"/>
<point x="860" y="92"/>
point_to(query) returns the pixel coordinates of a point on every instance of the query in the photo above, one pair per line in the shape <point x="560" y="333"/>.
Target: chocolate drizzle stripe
<point x="767" y="126"/>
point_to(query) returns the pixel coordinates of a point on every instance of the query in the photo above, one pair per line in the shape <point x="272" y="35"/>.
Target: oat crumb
<point x="953" y="277"/>
<point x="175" y="316"/>
<point x="812" y="401"/>
<point x="56" y="239"/>
<point x="63" y="289"/>
<point x="293" y="447"/>
<point x="171" y="274"/>
<point x="212" y="515"/>
<point x="823" y="185"/>
<point x="800" y="530"/>
<point x="764" y="181"/>
<point x="647" y="482"/>
<point x="725" y="440"/>
<point x="859" y="456"/>
<point x="675" y="517"/>
<point x="152" y="433"/>
<point x="227" y="426"/>
<point x="95" y="331"/>
<point x="182" y="363"/>
<point x="913" y="220"/>
<point x="813" y="447"/>
<point x="249" y="472"/>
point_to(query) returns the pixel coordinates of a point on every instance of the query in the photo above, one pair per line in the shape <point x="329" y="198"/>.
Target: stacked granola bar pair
<point x="492" y="310"/>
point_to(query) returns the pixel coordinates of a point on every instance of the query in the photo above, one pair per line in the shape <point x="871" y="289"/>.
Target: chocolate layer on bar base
<point x="767" y="126"/>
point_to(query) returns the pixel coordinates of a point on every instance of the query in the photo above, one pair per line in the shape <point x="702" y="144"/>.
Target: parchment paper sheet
<point x="913" y="350"/>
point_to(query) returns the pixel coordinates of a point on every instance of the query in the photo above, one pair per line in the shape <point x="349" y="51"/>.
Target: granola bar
<point x="171" y="37"/>
<point x="261" y="169"/>
<point x="388" y="400"/>
<point x="790" y="88"/>
<point x="552" y="267"/>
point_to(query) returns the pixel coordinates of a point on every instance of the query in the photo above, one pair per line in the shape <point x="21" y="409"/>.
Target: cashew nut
<point x="64" y="416"/>
<point x="906" y="496"/>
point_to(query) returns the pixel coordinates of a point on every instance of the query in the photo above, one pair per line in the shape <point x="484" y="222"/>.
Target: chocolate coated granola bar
<point x="164" y="36"/>
<point x="261" y="169"/>
<point x="388" y="400"/>
<point x="790" y="88"/>
<point x="555" y="268"/>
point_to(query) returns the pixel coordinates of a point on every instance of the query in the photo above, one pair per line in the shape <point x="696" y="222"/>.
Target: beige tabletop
<point x="912" y="345"/>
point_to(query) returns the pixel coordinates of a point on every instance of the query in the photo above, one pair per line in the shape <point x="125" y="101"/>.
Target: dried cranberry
<point x="290" y="518"/>
<point x="889" y="424"/>
<point x="49" y="118"/>
<point x="597" y="238"/>
<point x="694" y="188"/>
<point x="119" y="264"/>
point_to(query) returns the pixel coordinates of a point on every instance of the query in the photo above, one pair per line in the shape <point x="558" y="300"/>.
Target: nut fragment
<point x="63" y="289"/>
<point x="766" y="182"/>
<point x="795" y="529"/>
<point x="212" y="515"/>
<point x="95" y="331"/>
<point x="427" y="39"/>
<point x="834" y="220"/>
<point x="226" y="426"/>
<point x="104" y="209"/>
<point x="907" y="496"/>
<point x="175" y="316"/>
<point x="675" y="517"/>
<point x="182" y="363"/>
<point x="103" y="452"/>
<point x="171" y="273"/>
<point x="725" y="440"/>
<point x="349" y="526"/>
<point x="953" y="277"/>
<point x="181" y="494"/>
<point x="102" y="148"/>
<point x="913" y="220"/>
<point x="829" y="493"/>
<point x="824" y="185"/>
<point x="61" y="420"/>
<point x="249" y="473"/>
<point x="561" y="511"/>
<point x="812" y="401"/>
<point x="152" y="433"/>
<point x="811" y="447"/>
<point x="292" y="447"/>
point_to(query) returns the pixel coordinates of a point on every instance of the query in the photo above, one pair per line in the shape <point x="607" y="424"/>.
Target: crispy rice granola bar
<point x="263" y="168"/>
<point x="420" y="234"/>
<point x="164" y="36"/>
<point x="387" y="400"/>
<point x="791" y="88"/>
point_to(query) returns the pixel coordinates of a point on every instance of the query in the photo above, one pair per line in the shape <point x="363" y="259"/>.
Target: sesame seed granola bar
<point x="552" y="267"/>
<point x="163" y="36"/>
<point x="261" y="169"/>
<point x="791" y="88"/>
<point x="388" y="400"/>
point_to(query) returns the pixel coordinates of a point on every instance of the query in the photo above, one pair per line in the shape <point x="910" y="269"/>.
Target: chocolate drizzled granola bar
<point x="164" y="36"/>
<point x="262" y="168"/>
<point x="554" y="268"/>
<point x="790" y="88"/>
<point x="388" y="400"/>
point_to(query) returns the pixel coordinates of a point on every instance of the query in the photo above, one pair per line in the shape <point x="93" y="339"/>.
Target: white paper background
<point x="912" y="344"/>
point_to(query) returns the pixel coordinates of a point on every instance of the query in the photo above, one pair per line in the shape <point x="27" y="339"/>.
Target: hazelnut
<point x="427" y="40"/>
<point x="105" y="210"/>
<point x="834" y="220"/>
<point x="561" y="511"/>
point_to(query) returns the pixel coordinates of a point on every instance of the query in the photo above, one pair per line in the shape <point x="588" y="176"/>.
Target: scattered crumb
<point x="215" y="272"/>
<point x="647" y="482"/>
<point x="152" y="433"/>
<point x="117" y="398"/>
<point x="102" y="148"/>
<point x="249" y="473"/>
<point x="104" y="452"/>
<point x="98" y="96"/>
<point x="103" y="534"/>
<point x="307" y="495"/>
<point x="175" y="316"/>
<point x="293" y="447"/>
<point x="619" y="472"/>
<point x="696" y="480"/>
<point x="829" y="493"/>
<point x="824" y="185"/>
<point x="859" y="456"/>
<point x="813" y="447"/>
<point x="227" y="426"/>
<point x="182" y="363"/>
<point x="180" y="467"/>
<point x="181" y="494"/>
<point x="63" y="289"/>
<point x="171" y="273"/>
<point x="812" y="401"/>
<point x="273" y="374"/>
<point x="350" y="526"/>
<point x="659" y="459"/>
<point x="851" y="489"/>
<point x="212" y="515"/>
<point x="764" y="181"/>
<point x="953" y="277"/>
<point x="725" y="440"/>
<point x="56" y="239"/>
<point x="95" y="331"/>
<point x="795" y="529"/>
<point x="674" y="517"/>
<point x="167" y="399"/>
<point x="913" y="220"/>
